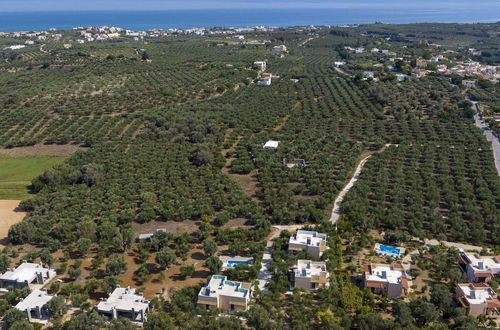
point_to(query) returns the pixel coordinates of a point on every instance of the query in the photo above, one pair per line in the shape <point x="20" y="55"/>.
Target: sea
<point x="465" y="12"/>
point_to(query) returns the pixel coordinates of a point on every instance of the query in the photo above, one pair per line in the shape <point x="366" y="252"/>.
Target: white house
<point x="310" y="275"/>
<point x="479" y="268"/>
<point x="35" y="306"/>
<point x="469" y="83"/>
<point x="266" y="81"/>
<point x="368" y="74"/>
<point x="477" y="298"/>
<point x="228" y="296"/>
<point x="124" y="302"/>
<point x="26" y="274"/>
<point x="279" y="49"/>
<point x="312" y="242"/>
<point x="389" y="278"/>
<point x="400" y="77"/>
<point x="260" y="65"/>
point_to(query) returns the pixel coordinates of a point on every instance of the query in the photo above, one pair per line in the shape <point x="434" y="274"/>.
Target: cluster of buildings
<point x="122" y="303"/>
<point x="230" y="296"/>
<point x="477" y="296"/>
<point x="464" y="69"/>
<point x="102" y="33"/>
<point x="264" y="78"/>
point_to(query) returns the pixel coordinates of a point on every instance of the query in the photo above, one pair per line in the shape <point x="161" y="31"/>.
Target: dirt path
<point x="339" y="70"/>
<point x="338" y="201"/>
<point x="334" y="217"/>
<point x="8" y="217"/>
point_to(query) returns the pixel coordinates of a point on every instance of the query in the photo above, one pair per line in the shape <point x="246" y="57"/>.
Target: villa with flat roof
<point x="260" y="65"/>
<point x="26" y="274"/>
<point x="477" y="298"/>
<point x="386" y="278"/>
<point x="310" y="275"/>
<point x="125" y="303"/>
<point x="312" y="242"/>
<point x="223" y="294"/>
<point x="35" y="306"/>
<point x="479" y="268"/>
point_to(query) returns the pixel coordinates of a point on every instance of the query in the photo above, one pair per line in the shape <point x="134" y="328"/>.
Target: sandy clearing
<point x="42" y="150"/>
<point x="8" y="217"/>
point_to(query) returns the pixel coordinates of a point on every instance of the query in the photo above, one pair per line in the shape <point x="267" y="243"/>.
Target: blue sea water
<point x="463" y="12"/>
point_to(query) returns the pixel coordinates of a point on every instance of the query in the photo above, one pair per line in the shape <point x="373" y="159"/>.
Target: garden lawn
<point x="16" y="174"/>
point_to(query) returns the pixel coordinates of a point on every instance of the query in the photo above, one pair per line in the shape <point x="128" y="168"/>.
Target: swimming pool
<point x="232" y="263"/>
<point x="386" y="249"/>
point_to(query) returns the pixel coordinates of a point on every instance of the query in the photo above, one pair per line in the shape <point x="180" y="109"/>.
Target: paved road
<point x="265" y="275"/>
<point x="338" y="201"/>
<point x="495" y="144"/>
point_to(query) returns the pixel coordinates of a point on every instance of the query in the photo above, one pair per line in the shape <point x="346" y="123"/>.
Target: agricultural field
<point x="16" y="174"/>
<point x="167" y="134"/>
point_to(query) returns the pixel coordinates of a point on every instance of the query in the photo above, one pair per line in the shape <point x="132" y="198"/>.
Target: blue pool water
<point x="232" y="263"/>
<point x="386" y="249"/>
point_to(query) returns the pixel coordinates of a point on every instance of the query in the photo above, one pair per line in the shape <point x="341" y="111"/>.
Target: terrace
<point x="312" y="242"/>
<point x="224" y="294"/>
<point x="310" y="275"/>
<point x="385" y="277"/>
<point x="124" y="302"/>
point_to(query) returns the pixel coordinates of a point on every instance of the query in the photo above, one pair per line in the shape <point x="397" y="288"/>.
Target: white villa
<point x="312" y="242"/>
<point x="477" y="298"/>
<point x="35" y="306"/>
<point x="260" y="65"/>
<point x="126" y="303"/>
<point x="279" y="49"/>
<point x="479" y="268"/>
<point x="26" y="274"/>
<point x="384" y="277"/>
<point x="223" y="294"/>
<point x="310" y="275"/>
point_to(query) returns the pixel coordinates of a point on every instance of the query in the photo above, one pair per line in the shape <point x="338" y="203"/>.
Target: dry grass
<point x="9" y="215"/>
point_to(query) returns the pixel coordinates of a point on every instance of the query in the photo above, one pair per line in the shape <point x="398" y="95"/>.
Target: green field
<point x="16" y="174"/>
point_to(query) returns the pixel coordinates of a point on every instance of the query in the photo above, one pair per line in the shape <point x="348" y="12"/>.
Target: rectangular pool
<point x="232" y="263"/>
<point x="386" y="250"/>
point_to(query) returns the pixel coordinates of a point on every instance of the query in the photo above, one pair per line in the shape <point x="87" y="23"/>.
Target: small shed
<point x="271" y="144"/>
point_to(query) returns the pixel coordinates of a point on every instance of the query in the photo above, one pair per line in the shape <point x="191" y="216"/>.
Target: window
<point x="231" y="308"/>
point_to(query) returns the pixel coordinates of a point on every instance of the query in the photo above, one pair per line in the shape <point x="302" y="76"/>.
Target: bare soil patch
<point x="42" y="150"/>
<point x="174" y="227"/>
<point x="9" y="215"/>
<point x="237" y="223"/>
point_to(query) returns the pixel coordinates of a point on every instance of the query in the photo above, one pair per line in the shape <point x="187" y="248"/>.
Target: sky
<point x="79" y="5"/>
